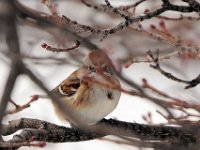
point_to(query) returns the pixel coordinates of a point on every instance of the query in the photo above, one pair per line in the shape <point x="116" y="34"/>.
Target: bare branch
<point x="19" y="108"/>
<point x="53" y="49"/>
<point x="44" y="131"/>
<point x="190" y="84"/>
<point x="12" y="41"/>
<point x="41" y="17"/>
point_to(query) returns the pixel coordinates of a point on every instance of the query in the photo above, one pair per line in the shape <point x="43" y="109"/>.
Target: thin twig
<point x="190" y="84"/>
<point x="19" y="108"/>
<point x="53" y="49"/>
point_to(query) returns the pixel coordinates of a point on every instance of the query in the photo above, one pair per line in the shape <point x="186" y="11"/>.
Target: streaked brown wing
<point x="69" y="87"/>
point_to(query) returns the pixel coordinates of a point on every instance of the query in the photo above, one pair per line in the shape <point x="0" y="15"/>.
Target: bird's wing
<point x="68" y="87"/>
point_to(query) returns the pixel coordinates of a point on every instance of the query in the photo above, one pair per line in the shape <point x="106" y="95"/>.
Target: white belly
<point x="98" y="106"/>
<point x="101" y="105"/>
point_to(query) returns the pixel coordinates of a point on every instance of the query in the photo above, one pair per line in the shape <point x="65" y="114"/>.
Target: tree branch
<point x="42" y="17"/>
<point x="7" y="19"/>
<point x="44" y="131"/>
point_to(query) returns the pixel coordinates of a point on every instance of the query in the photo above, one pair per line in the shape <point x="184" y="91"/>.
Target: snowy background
<point x="129" y="108"/>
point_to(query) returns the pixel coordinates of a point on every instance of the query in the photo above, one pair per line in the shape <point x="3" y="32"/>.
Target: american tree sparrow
<point x="92" y="91"/>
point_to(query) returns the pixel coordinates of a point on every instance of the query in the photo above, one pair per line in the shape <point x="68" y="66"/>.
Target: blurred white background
<point x="129" y="108"/>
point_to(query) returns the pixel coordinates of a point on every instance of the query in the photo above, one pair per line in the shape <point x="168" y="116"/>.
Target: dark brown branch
<point x="25" y="12"/>
<point x="129" y="20"/>
<point x="194" y="4"/>
<point x="8" y="21"/>
<point x="115" y="10"/>
<point x="193" y="82"/>
<point x="190" y="84"/>
<point x="44" y="131"/>
<point x="108" y="8"/>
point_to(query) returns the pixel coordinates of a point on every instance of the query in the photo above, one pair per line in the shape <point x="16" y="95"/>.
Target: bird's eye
<point x="107" y="69"/>
<point x="90" y="68"/>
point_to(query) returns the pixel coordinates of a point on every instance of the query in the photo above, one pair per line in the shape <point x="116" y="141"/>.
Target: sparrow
<point x="92" y="91"/>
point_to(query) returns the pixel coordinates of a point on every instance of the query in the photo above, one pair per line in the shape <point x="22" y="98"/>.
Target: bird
<point x="92" y="91"/>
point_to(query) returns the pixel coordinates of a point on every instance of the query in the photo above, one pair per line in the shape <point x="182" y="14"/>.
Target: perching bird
<point x="92" y="91"/>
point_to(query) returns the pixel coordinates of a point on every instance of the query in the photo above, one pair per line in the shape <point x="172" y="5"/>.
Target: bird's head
<point x="98" y="61"/>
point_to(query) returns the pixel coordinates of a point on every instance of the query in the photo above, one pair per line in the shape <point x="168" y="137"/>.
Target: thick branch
<point x="44" y="131"/>
<point x="8" y="21"/>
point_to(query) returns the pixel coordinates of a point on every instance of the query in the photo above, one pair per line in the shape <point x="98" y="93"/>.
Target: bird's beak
<point x="99" y="70"/>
